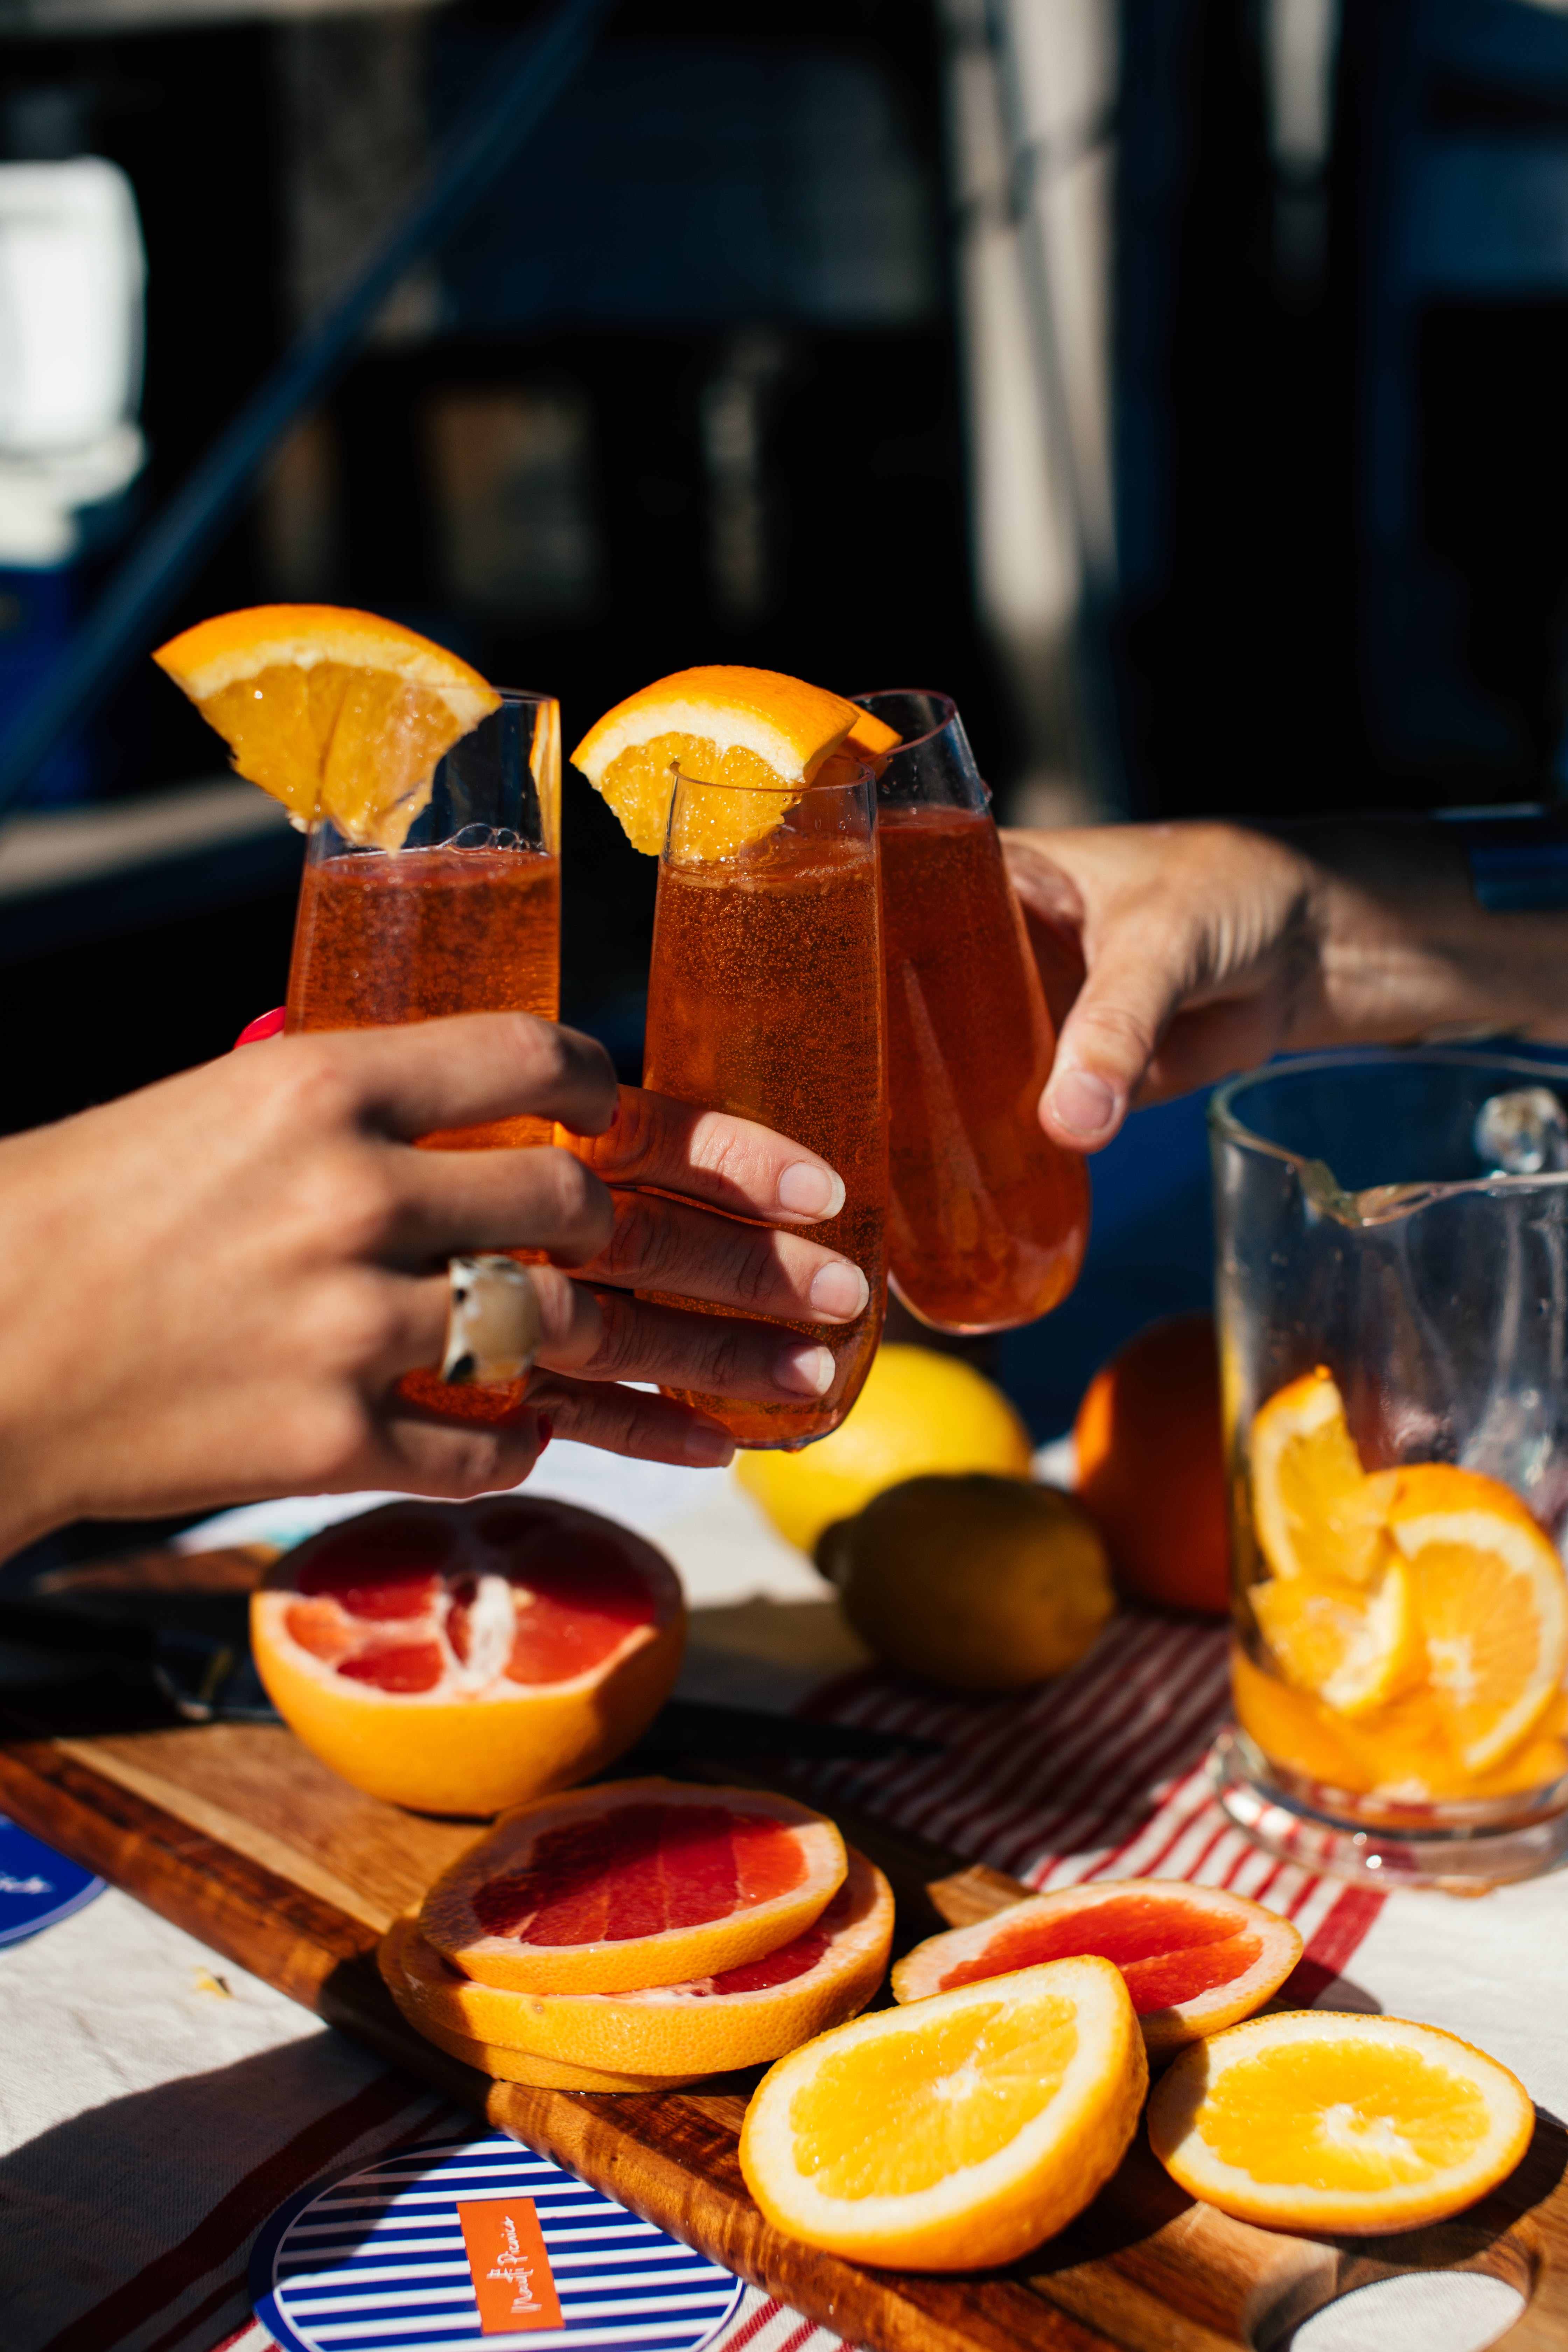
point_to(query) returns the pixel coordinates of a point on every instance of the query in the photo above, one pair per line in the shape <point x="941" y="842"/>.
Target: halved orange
<point x="765" y="734"/>
<point x="956" y="2132"/>
<point x="1194" y="1959"/>
<point x="740" y="2017"/>
<point x="1314" y="2120"/>
<point x="334" y="712"/>
<point x="460" y="1657"/>
<point x="1315" y="1510"/>
<point x="631" y="1884"/>
<point x="1490" y="1597"/>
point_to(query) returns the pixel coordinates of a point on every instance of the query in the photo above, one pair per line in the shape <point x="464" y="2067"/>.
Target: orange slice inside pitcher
<point x="1194" y="1959"/>
<point x="632" y="1883"/>
<point x="1314" y="1508"/>
<point x="457" y="1658"/>
<point x="334" y="712"/>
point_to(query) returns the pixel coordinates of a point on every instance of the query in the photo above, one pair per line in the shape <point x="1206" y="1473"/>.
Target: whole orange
<point x="1151" y="1465"/>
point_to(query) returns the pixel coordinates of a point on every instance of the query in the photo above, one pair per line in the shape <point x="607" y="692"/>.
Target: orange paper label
<point x="507" y="2264"/>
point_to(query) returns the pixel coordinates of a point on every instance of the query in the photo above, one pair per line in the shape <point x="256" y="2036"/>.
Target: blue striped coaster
<point x="37" y="1885"/>
<point x="380" y="2263"/>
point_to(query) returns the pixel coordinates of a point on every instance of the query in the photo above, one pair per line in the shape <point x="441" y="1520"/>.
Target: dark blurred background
<point x="1179" y="383"/>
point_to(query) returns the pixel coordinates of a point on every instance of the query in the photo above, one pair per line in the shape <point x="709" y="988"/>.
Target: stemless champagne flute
<point x="987" y="1219"/>
<point x="464" y="917"/>
<point x="765" y="1000"/>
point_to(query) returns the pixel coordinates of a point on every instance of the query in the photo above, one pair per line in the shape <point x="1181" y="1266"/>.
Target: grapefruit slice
<point x="462" y="1657"/>
<point x="1194" y="1959"/>
<point x="1314" y="2120"/>
<point x="741" y="2017"/>
<point x="632" y="1883"/>
<point x="336" y="713"/>
<point x="956" y="2133"/>
<point x="762" y="733"/>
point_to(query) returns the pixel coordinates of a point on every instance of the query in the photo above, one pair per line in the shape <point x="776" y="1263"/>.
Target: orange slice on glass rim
<point x="766" y="735"/>
<point x="336" y="713"/>
<point x="741" y="2017"/>
<point x="1315" y="2120"/>
<point x="631" y="1884"/>
<point x="1316" y="1511"/>
<point x="1194" y="1959"/>
<point x="956" y="2132"/>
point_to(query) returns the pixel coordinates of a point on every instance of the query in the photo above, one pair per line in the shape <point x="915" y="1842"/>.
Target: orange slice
<point x="957" y="2132"/>
<point x="335" y="713"/>
<point x="1316" y="1511"/>
<point x="762" y="733"/>
<point x="457" y="1658"/>
<point x="632" y="1883"/>
<point x="1355" y="1648"/>
<point x="1313" y="2120"/>
<point x="1194" y="1959"/>
<point x="1490" y="1596"/>
<point x="741" y="2017"/>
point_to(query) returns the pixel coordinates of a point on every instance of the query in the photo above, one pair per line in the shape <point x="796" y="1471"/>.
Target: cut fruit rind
<point x="764" y="734"/>
<point x="633" y="1883"/>
<point x="957" y="2132"/>
<point x="741" y="2018"/>
<point x="460" y="1658"/>
<point x="501" y="2064"/>
<point x="336" y="713"/>
<point x="1317" y="2120"/>
<point x="1194" y="1959"/>
<point x="1311" y="1501"/>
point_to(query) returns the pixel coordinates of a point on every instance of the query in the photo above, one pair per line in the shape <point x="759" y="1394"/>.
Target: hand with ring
<point x="211" y="1288"/>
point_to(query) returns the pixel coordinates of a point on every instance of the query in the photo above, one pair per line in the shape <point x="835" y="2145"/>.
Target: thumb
<point x="1108" y="1038"/>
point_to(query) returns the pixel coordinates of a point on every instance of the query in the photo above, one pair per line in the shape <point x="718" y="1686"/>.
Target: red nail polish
<point x="546" y="1429"/>
<point x="266" y="1025"/>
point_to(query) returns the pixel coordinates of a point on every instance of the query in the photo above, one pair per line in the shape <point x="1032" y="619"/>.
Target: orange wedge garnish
<point x="1317" y="2121"/>
<point x="335" y="713"/>
<point x="766" y="735"/>
<point x="955" y="2132"/>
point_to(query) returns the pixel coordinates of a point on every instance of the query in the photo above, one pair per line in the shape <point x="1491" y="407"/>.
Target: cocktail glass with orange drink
<point x="1393" y="1304"/>
<point x="987" y="1219"/>
<point x="765" y="1000"/>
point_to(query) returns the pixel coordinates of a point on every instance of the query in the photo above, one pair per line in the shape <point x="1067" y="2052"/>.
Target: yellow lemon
<point x="977" y="1583"/>
<point x="918" y="1413"/>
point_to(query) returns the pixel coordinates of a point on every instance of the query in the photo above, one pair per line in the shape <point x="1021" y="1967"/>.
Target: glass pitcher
<point x="1392" y="1312"/>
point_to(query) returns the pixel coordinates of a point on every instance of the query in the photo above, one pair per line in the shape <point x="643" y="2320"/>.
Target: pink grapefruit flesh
<point x="1194" y="1959"/>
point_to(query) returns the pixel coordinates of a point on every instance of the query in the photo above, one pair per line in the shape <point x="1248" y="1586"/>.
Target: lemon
<point x="974" y="1582"/>
<point x="918" y="1412"/>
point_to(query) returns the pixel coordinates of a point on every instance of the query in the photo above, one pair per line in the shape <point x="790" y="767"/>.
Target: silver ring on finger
<point x="493" y="1321"/>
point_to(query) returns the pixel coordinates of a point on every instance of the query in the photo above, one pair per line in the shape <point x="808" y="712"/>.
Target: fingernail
<point x="810" y="1191"/>
<point x="546" y="1429"/>
<point x="266" y="1025"/>
<point x="840" y="1289"/>
<point x="1082" y="1103"/>
<point x="805" y="1370"/>
<point x="708" y="1448"/>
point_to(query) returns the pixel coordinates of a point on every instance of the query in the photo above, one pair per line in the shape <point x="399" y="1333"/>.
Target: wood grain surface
<point x="236" y="1834"/>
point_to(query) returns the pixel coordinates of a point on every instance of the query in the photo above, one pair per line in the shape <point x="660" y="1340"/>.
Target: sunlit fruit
<point x="957" y="2132"/>
<point x="1314" y="1510"/>
<point x="1356" y="1647"/>
<point x="740" y="2017"/>
<point x="767" y="734"/>
<point x="631" y="1884"/>
<point x="976" y="1583"/>
<point x="460" y="1658"/>
<point x="1313" y="2120"/>
<point x="918" y="1413"/>
<point x="1149" y="1466"/>
<point x="1195" y="1959"/>
<point x="336" y="713"/>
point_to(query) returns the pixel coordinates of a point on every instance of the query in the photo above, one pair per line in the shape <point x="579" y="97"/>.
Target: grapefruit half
<point x="738" y="2017"/>
<point x="1195" y="1959"/>
<point x="633" y="1883"/>
<point x="463" y="1657"/>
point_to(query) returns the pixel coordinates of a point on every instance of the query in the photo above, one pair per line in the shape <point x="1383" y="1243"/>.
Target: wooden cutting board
<point x="237" y="1835"/>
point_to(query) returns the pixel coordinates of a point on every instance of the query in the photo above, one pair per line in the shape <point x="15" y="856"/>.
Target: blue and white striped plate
<point x="377" y="2262"/>
<point x="37" y="1885"/>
